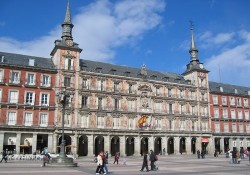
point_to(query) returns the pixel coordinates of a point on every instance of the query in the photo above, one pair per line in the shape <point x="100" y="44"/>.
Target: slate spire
<point x="193" y="50"/>
<point x="67" y="25"/>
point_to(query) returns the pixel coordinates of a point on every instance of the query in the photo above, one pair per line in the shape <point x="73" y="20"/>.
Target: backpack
<point x="156" y="158"/>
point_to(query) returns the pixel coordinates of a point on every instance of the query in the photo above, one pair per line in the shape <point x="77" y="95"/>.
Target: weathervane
<point x="191" y="25"/>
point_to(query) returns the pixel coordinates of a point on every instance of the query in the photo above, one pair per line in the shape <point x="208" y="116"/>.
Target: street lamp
<point x="64" y="98"/>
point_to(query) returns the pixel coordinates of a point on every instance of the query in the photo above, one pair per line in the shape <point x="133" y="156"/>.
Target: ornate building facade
<point x="108" y="102"/>
<point x="230" y="116"/>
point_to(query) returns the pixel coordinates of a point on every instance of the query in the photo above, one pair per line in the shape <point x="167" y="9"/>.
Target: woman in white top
<point x="100" y="164"/>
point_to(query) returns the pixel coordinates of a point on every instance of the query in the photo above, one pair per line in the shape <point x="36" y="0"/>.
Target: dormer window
<point x="127" y="73"/>
<point x="235" y="91"/>
<point x="153" y="77"/>
<point x="31" y="62"/>
<point x="98" y="69"/>
<point x="221" y="89"/>
<point x="113" y="71"/>
<point x="2" y="59"/>
<point x="165" y="78"/>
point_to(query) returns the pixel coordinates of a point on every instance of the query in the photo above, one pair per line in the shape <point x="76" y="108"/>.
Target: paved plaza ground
<point x="170" y="165"/>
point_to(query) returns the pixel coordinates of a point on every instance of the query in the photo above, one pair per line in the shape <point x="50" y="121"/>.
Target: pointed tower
<point x="65" y="56"/>
<point x="198" y="76"/>
<point x="194" y="67"/>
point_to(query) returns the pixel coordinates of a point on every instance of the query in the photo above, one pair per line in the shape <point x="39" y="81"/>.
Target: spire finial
<point x="67" y="16"/>
<point x="193" y="51"/>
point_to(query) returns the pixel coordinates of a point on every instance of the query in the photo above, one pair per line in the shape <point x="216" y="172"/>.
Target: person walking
<point x="145" y="162"/>
<point x="152" y="160"/>
<point x="105" y="162"/>
<point x="4" y="156"/>
<point x="100" y="165"/>
<point x="107" y="156"/>
<point x="164" y="151"/>
<point x="234" y="156"/>
<point x="198" y="154"/>
<point x="117" y="156"/>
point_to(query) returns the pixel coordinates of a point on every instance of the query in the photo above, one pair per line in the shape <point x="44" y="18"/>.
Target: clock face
<point x="69" y="42"/>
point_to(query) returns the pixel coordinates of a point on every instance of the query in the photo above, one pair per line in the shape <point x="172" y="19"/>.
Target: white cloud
<point x="98" y="28"/>
<point x="232" y="66"/>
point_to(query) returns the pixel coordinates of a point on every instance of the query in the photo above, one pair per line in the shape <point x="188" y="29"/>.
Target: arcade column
<point x="90" y="145"/>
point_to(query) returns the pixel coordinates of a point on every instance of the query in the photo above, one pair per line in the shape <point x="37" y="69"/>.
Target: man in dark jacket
<point x="152" y="160"/>
<point x="4" y="156"/>
<point x="145" y="162"/>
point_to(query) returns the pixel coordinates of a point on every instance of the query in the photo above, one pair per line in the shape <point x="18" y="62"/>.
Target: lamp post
<point x="62" y="160"/>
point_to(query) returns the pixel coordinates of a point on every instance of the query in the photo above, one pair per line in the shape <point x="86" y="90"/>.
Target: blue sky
<point x="137" y="32"/>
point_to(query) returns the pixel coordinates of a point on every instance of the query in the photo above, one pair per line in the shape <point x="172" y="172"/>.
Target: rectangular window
<point x="29" y="98"/>
<point x="1" y="76"/>
<point x="116" y="87"/>
<point x="116" y="104"/>
<point x="15" y="77"/>
<point x="1" y="95"/>
<point x="225" y="114"/>
<point x="217" y="127"/>
<point x="31" y="80"/>
<point x="226" y="128"/>
<point x="245" y="102"/>
<point x="224" y="100"/>
<point x="84" y="101"/>
<point x="11" y="118"/>
<point x="84" y="84"/>
<point x="45" y="81"/>
<point x="241" y="128"/>
<point x="232" y="114"/>
<point x="240" y="114"/>
<point x="43" y="119"/>
<point x="215" y="100"/>
<point x="99" y="103"/>
<point x="169" y="92"/>
<point x="248" y="128"/>
<point x="130" y="88"/>
<point x="246" y="115"/>
<point x="13" y="96"/>
<point x="45" y="99"/>
<point x="238" y="101"/>
<point x="67" y="81"/>
<point x="234" y="128"/>
<point x="216" y="113"/>
<point x="157" y="91"/>
<point x="170" y="108"/>
<point x="232" y="101"/>
<point x="28" y="119"/>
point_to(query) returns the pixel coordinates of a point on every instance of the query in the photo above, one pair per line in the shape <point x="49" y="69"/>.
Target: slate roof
<point x="23" y="60"/>
<point x="229" y="89"/>
<point x="106" y="68"/>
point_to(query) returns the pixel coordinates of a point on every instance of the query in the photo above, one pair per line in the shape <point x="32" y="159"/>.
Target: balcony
<point x="45" y="85"/>
<point x="21" y="103"/>
<point x="30" y="84"/>
<point x="15" y="82"/>
<point x="3" y="81"/>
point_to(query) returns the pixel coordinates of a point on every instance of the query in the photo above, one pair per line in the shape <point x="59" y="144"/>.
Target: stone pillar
<point x="1" y="140"/>
<point x="198" y="144"/>
<point x="75" y="144"/>
<point x="122" y="146"/>
<point x="55" y="142"/>
<point x="188" y="145"/>
<point x="50" y="142"/>
<point x="222" y="144"/>
<point x="18" y="140"/>
<point x="164" y="144"/>
<point x="34" y="141"/>
<point x="230" y="143"/>
<point x="107" y="144"/>
<point x="237" y="144"/>
<point x="176" y="145"/>
<point x="90" y="145"/>
<point x="151" y="143"/>
<point x="137" y="146"/>
<point x="244" y="143"/>
<point x="210" y="145"/>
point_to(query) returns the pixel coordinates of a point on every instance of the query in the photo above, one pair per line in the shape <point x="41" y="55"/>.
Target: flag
<point x="144" y="121"/>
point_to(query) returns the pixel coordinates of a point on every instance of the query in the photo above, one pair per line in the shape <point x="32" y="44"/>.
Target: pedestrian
<point x="198" y="154"/>
<point x="145" y="162"/>
<point x="152" y="158"/>
<point x="202" y="154"/>
<point x="164" y="151"/>
<point x="241" y="153"/>
<point x="117" y="156"/>
<point x="107" y="156"/>
<point x="234" y="156"/>
<point x="4" y="156"/>
<point x="100" y="165"/>
<point x="104" y="158"/>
